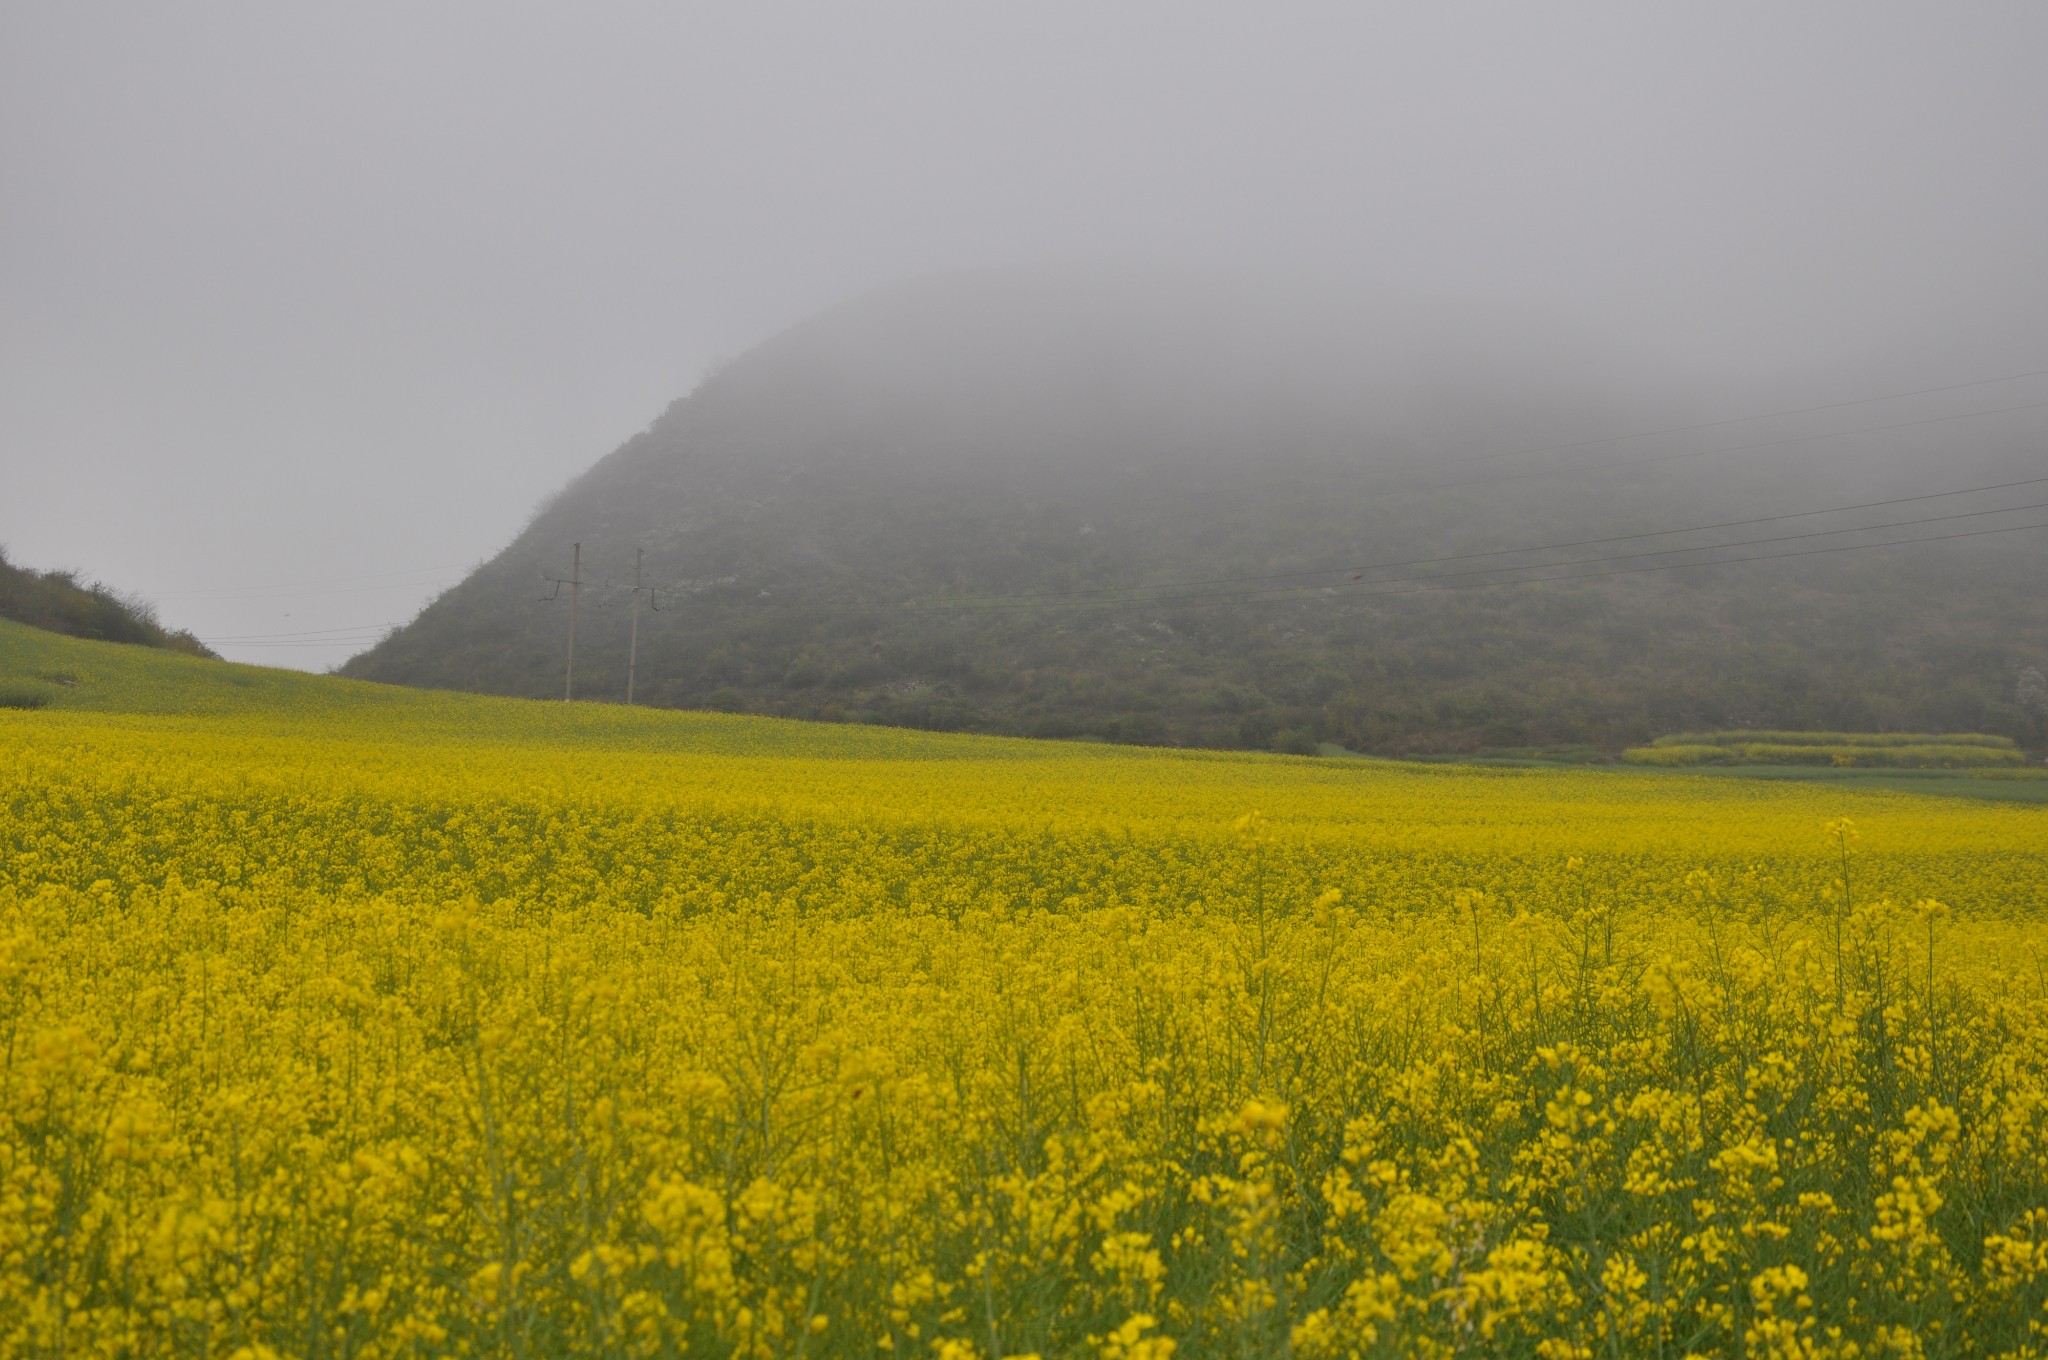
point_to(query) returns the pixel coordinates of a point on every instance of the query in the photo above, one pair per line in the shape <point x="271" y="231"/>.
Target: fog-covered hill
<point x="1074" y="503"/>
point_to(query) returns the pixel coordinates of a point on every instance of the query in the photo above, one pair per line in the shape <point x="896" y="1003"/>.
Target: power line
<point x="304" y="632"/>
<point x="1767" y="415"/>
<point x="1366" y="591"/>
<point x="1428" y="588"/>
<point x="1534" y="474"/>
<point x="301" y="642"/>
<point x="1689" y="427"/>
<point x="1090" y="596"/>
<point x="310" y="586"/>
<point x="350" y="634"/>
<point x="1729" y="561"/>
<point x="338" y="642"/>
<point x="353" y="644"/>
<point x="1705" y="547"/>
<point x="1509" y="552"/>
<point x="322" y="581"/>
<point x="1348" y="589"/>
<point x="1152" y="593"/>
<point x="266" y="593"/>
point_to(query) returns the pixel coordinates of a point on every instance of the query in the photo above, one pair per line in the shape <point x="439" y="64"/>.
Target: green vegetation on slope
<point x="168" y="692"/>
<point x="60" y="602"/>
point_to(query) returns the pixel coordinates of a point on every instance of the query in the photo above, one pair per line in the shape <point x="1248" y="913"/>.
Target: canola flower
<point x="461" y="1027"/>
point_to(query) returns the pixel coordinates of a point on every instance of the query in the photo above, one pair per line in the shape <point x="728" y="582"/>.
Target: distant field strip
<point x="1870" y="750"/>
<point x="1856" y="739"/>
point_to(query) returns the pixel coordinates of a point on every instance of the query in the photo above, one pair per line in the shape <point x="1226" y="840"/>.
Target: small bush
<point x="1676" y="755"/>
<point x="23" y="696"/>
<point x="1297" y="743"/>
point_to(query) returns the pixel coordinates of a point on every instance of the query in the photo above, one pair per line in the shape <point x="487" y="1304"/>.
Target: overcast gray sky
<point x="297" y="293"/>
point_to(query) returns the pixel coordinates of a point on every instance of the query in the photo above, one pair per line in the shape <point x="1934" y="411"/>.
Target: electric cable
<point x="1767" y="415"/>
<point x="1359" y="588"/>
<point x="1509" y="552"/>
<point x="302" y="633"/>
<point x="1152" y="594"/>
<point x="321" y="581"/>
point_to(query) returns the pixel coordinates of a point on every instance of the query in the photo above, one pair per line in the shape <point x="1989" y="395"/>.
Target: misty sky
<point x="289" y="295"/>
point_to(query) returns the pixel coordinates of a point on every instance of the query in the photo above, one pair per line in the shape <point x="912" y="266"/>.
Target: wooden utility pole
<point x="633" y="647"/>
<point x="575" y="593"/>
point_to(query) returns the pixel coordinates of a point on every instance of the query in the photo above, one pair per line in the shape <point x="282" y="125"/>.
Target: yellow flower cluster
<point x="424" y="1026"/>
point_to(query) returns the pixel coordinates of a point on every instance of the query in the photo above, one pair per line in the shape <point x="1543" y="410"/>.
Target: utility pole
<point x="575" y="593"/>
<point x="633" y="647"/>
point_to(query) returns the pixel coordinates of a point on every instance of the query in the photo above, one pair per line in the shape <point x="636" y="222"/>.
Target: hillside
<point x="62" y="603"/>
<point x="1072" y="506"/>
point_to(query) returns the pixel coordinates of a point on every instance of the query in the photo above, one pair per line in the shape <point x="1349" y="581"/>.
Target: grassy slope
<point x="175" y="694"/>
<point x="82" y="676"/>
<point x="59" y="601"/>
<point x="2013" y="786"/>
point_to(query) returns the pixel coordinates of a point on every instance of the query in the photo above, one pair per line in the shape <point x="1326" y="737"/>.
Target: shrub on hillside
<point x="61" y="603"/>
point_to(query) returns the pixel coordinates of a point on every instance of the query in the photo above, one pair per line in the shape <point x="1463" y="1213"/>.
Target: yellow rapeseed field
<point x="345" y="1021"/>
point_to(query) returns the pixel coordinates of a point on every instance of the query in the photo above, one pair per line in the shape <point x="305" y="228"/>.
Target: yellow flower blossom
<point x="420" y="1024"/>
